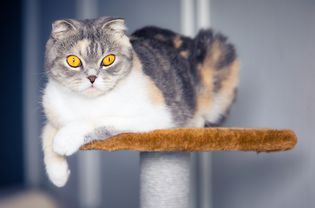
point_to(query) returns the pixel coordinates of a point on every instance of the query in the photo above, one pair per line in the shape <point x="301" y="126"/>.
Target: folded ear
<point x="63" y="28"/>
<point x="116" y="25"/>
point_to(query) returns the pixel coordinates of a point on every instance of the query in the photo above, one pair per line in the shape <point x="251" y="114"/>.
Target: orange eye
<point x="73" y="61"/>
<point x="108" y="60"/>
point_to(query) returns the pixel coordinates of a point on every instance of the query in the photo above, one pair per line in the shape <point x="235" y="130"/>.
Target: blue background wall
<point x="11" y="148"/>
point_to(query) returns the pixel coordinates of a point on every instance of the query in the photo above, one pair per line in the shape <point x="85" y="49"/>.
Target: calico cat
<point x="102" y="82"/>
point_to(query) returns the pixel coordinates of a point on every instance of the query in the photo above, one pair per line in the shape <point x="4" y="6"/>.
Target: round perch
<point x="165" y="156"/>
<point x="199" y="139"/>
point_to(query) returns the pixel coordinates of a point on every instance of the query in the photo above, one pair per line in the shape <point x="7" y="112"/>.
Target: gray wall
<point x="140" y="13"/>
<point x="276" y="42"/>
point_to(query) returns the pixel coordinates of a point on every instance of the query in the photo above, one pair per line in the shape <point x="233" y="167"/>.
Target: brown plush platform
<point x="196" y="140"/>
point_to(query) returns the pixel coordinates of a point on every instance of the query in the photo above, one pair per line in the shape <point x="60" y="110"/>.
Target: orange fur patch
<point x="156" y="96"/>
<point x="215" y="53"/>
<point x="205" y="93"/>
<point x="206" y="72"/>
<point x="184" y="54"/>
<point x="178" y="41"/>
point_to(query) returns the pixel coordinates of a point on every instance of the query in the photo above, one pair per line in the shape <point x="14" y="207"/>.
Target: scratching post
<point x="164" y="180"/>
<point x="165" y="156"/>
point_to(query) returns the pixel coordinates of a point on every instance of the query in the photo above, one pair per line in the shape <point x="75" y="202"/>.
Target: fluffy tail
<point x="218" y="68"/>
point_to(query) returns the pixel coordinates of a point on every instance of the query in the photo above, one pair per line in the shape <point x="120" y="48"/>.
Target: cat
<point x="102" y="82"/>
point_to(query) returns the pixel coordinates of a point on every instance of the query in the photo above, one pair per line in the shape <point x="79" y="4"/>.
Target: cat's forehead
<point x="91" y="48"/>
<point x="90" y="45"/>
<point x="90" y="38"/>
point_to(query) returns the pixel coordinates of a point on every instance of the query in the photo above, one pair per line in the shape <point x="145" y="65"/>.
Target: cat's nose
<point x="92" y="78"/>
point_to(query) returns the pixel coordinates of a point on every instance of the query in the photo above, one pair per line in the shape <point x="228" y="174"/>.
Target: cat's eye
<point x="108" y="60"/>
<point x="73" y="61"/>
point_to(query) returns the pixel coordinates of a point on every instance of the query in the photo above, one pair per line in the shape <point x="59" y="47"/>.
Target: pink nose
<point x="92" y="78"/>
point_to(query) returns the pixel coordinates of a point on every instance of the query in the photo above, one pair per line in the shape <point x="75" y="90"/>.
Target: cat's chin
<point x="92" y="92"/>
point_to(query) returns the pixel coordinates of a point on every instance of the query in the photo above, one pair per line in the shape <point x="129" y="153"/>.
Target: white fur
<point x="56" y="165"/>
<point x="126" y="108"/>
<point x="219" y="106"/>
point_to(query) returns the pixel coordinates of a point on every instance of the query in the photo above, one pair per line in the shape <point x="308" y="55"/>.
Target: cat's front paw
<point x="58" y="172"/>
<point x="68" y="140"/>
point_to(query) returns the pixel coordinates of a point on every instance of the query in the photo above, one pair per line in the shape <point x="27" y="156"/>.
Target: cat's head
<point x="89" y="57"/>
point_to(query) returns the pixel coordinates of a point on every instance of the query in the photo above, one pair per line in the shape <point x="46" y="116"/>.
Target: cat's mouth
<point x="91" y="90"/>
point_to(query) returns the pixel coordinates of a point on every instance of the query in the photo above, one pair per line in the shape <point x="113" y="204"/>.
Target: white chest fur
<point x="127" y="107"/>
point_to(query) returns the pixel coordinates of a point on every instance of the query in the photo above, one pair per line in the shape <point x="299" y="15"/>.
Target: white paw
<point x="68" y="140"/>
<point x="58" y="172"/>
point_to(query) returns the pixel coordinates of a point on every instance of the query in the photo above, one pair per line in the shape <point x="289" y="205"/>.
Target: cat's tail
<point x="218" y="69"/>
